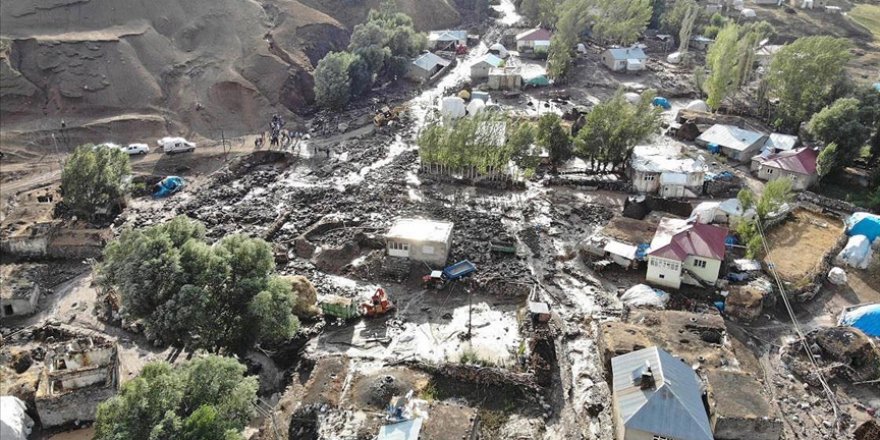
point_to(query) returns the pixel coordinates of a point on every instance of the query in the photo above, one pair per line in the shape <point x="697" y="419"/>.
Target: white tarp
<point x="837" y="276"/>
<point x="642" y="295"/>
<point x="748" y="13"/>
<point x="857" y="252"/>
<point x="632" y="98"/>
<point x="499" y="49"/>
<point x="673" y="58"/>
<point x="452" y="107"/>
<point x="705" y="212"/>
<point x="698" y="105"/>
<point x="475" y="106"/>
<point x="15" y="424"/>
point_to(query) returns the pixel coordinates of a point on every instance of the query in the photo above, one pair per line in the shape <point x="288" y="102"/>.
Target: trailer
<point x="438" y="279"/>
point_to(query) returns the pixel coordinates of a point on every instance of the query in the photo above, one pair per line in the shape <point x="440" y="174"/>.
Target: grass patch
<point x="470" y="357"/>
<point x="867" y="16"/>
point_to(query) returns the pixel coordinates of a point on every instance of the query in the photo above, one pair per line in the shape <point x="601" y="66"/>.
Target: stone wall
<point x="819" y="274"/>
<point x="80" y="405"/>
<point x="827" y="202"/>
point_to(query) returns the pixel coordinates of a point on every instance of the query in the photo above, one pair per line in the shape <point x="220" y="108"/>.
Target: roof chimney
<point x="646" y="379"/>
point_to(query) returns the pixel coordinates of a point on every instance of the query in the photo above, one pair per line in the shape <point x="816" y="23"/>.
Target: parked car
<point x="172" y="145"/>
<point x="133" y="149"/>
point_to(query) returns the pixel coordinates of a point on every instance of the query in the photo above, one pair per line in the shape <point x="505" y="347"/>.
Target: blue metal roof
<point x="865" y="318"/>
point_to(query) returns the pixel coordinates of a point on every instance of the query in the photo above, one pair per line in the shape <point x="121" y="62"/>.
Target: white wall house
<point x="480" y="69"/>
<point x="798" y="165"/>
<point x="661" y="170"/>
<point x="630" y="59"/>
<point x="734" y="142"/>
<point x="420" y="240"/>
<point x="682" y="250"/>
<point x="534" y="40"/>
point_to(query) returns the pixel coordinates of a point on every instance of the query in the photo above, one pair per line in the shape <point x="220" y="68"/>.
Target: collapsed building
<point x="80" y="371"/>
<point x="662" y="171"/>
<point x="19" y="293"/>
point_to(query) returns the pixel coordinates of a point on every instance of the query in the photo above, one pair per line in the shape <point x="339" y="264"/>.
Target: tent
<point x="475" y="107"/>
<point x="499" y="49"/>
<point x="642" y="295"/>
<point x="862" y="223"/>
<point x="673" y="58"/>
<point x="748" y="13"/>
<point x="632" y="98"/>
<point x="661" y="102"/>
<point x="865" y="318"/>
<point x="857" y="252"/>
<point x="698" y="105"/>
<point x="452" y="107"/>
<point x="15" y="424"/>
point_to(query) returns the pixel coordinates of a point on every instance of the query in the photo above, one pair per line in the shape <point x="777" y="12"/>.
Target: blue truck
<point x="438" y="279"/>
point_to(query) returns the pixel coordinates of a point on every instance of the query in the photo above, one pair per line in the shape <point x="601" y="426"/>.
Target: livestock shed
<point x="734" y="142"/>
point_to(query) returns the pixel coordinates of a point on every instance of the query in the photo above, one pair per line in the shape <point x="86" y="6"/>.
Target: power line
<point x="797" y="328"/>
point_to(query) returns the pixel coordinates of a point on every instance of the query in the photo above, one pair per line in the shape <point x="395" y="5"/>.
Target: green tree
<point x="869" y="114"/>
<point x="746" y="199"/>
<point x="672" y="19"/>
<point x="621" y="22"/>
<point x="776" y="193"/>
<point x="802" y="75"/>
<point x="189" y="293"/>
<point x="614" y="127"/>
<point x="840" y="123"/>
<point x="573" y="16"/>
<point x="721" y="63"/>
<point x="552" y="136"/>
<point x="559" y="59"/>
<point x="94" y="180"/>
<point x="208" y="398"/>
<point x="747" y="231"/>
<point x="359" y="75"/>
<point x="827" y="160"/>
<point x="332" y="81"/>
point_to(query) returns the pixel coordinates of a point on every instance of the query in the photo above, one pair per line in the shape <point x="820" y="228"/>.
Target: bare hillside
<point x="130" y="70"/>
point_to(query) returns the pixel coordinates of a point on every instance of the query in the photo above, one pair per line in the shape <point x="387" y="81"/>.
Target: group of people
<point x="278" y="135"/>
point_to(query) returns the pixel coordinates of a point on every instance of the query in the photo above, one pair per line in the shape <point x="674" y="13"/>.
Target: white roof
<point x="729" y="136"/>
<point x="622" y="249"/>
<point x="781" y="142"/>
<point x="420" y="230"/>
<point x="447" y="35"/>
<point x="489" y="59"/>
<point x="732" y="207"/>
<point x="628" y="53"/>
<point x="664" y="158"/>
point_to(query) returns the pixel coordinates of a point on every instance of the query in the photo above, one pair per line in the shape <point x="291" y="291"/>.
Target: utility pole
<point x="470" y="312"/>
<point x="223" y="143"/>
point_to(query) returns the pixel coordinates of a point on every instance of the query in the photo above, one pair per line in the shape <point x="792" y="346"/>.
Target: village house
<point x="798" y="165"/>
<point x="447" y="39"/>
<point x="631" y="59"/>
<point x="657" y="396"/>
<point x="480" y="69"/>
<point x="426" y="66"/>
<point x="734" y="142"/>
<point x="505" y="78"/>
<point x="684" y="251"/>
<point x="534" y="40"/>
<point x="19" y="294"/>
<point x="81" y="371"/>
<point x="661" y="171"/>
<point x="420" y="240"/>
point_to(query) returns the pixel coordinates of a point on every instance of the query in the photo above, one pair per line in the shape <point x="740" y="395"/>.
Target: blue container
<point x="661" y="102"/>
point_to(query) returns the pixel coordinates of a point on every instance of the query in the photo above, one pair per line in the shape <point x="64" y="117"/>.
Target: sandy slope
<point x="132" y="70"/>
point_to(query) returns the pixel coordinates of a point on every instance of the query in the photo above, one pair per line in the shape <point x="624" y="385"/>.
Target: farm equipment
<point x="379" y="304"/>
<point x="387" y="114"/>
<point x="438" y="279"/>
<point x="345" y="308"/>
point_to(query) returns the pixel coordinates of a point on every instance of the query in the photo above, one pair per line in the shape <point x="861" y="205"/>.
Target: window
<point x="649" y="177"/>
<point x="660" y="437"/>
<point x="7" y="310"/>
<point x="700" y="263"/>
<point x="664" y="264"/>
<point x="769" y="170"/>
<point x="662" y="276"/>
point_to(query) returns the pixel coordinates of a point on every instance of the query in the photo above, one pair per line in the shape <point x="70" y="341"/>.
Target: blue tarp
<point x="730" y="241"/>
<point x="865" y="318"/>
<point x="168" y="186"/>
<point x="661" y="102"/>
<point x="714" y="148"/>
<point x="862" y="223"/>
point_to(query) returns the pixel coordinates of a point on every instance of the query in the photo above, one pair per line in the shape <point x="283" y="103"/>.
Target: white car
<point x="133" y="149"/>
<point x="171" y="145"/>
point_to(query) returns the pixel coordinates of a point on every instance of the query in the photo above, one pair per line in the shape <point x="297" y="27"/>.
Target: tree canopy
<point x="332" y="81"/>
<point x="95" y="179"/>
<point x="614" y="127"/>
<point x="721" y="63"/>
<point x="672" y="19"/>
<point x="189" y="293"/>
<point x="208" y="398"/>
<point x="621" y="22"/>
<point x="840" y="123"/>
<point x="553" y="137"/>
<point x="802" y="75"/>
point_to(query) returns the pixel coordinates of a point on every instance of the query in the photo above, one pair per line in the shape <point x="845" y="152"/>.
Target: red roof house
<point x="681" y="246"/>
<point x="799" y="165"/>
<point x="536" y="40"/>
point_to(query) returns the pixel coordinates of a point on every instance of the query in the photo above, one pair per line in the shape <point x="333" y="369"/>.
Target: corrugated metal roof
<point x="781" y="142"/>
<point x="673" y="408"/>
<point x="447" y="35"/>
<point x="628" y="53"/>
<point x="536" y="34"/>
<point x="801" y="161"/>
<point x="490" y="59"/>
<point x="676" y="239"/>
<point x="429" y="61"/>
<point x="728" y="136"/>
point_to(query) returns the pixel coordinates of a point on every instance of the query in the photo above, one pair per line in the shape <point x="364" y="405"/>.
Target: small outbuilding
<point x="734" y="142"/>
<point x="631" y="59"/>
<point x="505" y="78"/>
<point x="420" y="240"/>
<point x="657" y="396"/>
<point x="19" y="294"/>
<point x="426" y="66"/>
<point x="447" y="39"/>
<point x="480" y="69"/>
<point x="535" y="40"/>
